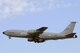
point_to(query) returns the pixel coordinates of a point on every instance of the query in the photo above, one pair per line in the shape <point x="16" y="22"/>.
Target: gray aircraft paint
<point x="40" y="34"/>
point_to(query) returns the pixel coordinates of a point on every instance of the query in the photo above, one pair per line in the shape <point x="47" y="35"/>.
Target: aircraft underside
<point x="40" y="40"/>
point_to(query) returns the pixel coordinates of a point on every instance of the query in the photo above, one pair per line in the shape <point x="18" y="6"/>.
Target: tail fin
<point x="69" y="29"/>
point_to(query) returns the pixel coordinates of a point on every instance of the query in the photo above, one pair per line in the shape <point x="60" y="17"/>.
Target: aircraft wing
<point x="37" y="32"/>
<point x="42" y="29"/>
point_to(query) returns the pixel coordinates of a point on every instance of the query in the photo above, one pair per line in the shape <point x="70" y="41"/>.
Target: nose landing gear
<point x="9" y="37"/>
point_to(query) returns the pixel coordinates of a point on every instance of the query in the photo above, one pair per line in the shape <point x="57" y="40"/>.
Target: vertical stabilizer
<point x="69" y="29"/>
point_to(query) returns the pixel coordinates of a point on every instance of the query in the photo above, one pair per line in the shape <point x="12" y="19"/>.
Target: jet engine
<point x="35" y="40"/>
<point x="30" y="39"/>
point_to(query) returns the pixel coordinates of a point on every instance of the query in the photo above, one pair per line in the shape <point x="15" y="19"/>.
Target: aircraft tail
<point x="69" y="29"/>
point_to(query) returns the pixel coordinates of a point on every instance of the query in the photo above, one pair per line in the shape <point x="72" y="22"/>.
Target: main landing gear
<point x="36" y="40"/>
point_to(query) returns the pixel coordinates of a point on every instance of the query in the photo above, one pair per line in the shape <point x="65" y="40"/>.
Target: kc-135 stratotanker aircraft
<point x="39" y="36"/>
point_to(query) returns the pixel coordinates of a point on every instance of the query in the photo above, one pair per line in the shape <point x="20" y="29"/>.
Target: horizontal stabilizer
<point x="70" y="35"/>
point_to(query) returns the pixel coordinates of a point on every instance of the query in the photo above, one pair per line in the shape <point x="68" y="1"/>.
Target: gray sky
<point x="32" y="14"/>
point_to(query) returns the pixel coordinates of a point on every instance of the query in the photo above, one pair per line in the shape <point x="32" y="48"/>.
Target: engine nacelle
<point x="36" y="40"/>
<point x="30" y="39"/>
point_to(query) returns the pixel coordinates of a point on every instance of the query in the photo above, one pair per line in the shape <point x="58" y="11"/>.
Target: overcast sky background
<point x="32" y="14"/>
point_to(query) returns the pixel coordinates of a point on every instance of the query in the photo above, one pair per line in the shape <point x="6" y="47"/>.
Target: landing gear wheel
<point x="36" y="40"/>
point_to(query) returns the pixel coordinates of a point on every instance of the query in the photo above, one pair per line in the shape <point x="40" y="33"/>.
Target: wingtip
<point x="45" y="27"/>
<point x="73" y="21"/>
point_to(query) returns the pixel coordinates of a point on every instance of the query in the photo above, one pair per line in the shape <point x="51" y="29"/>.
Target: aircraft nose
<point x="3" y="32"/>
